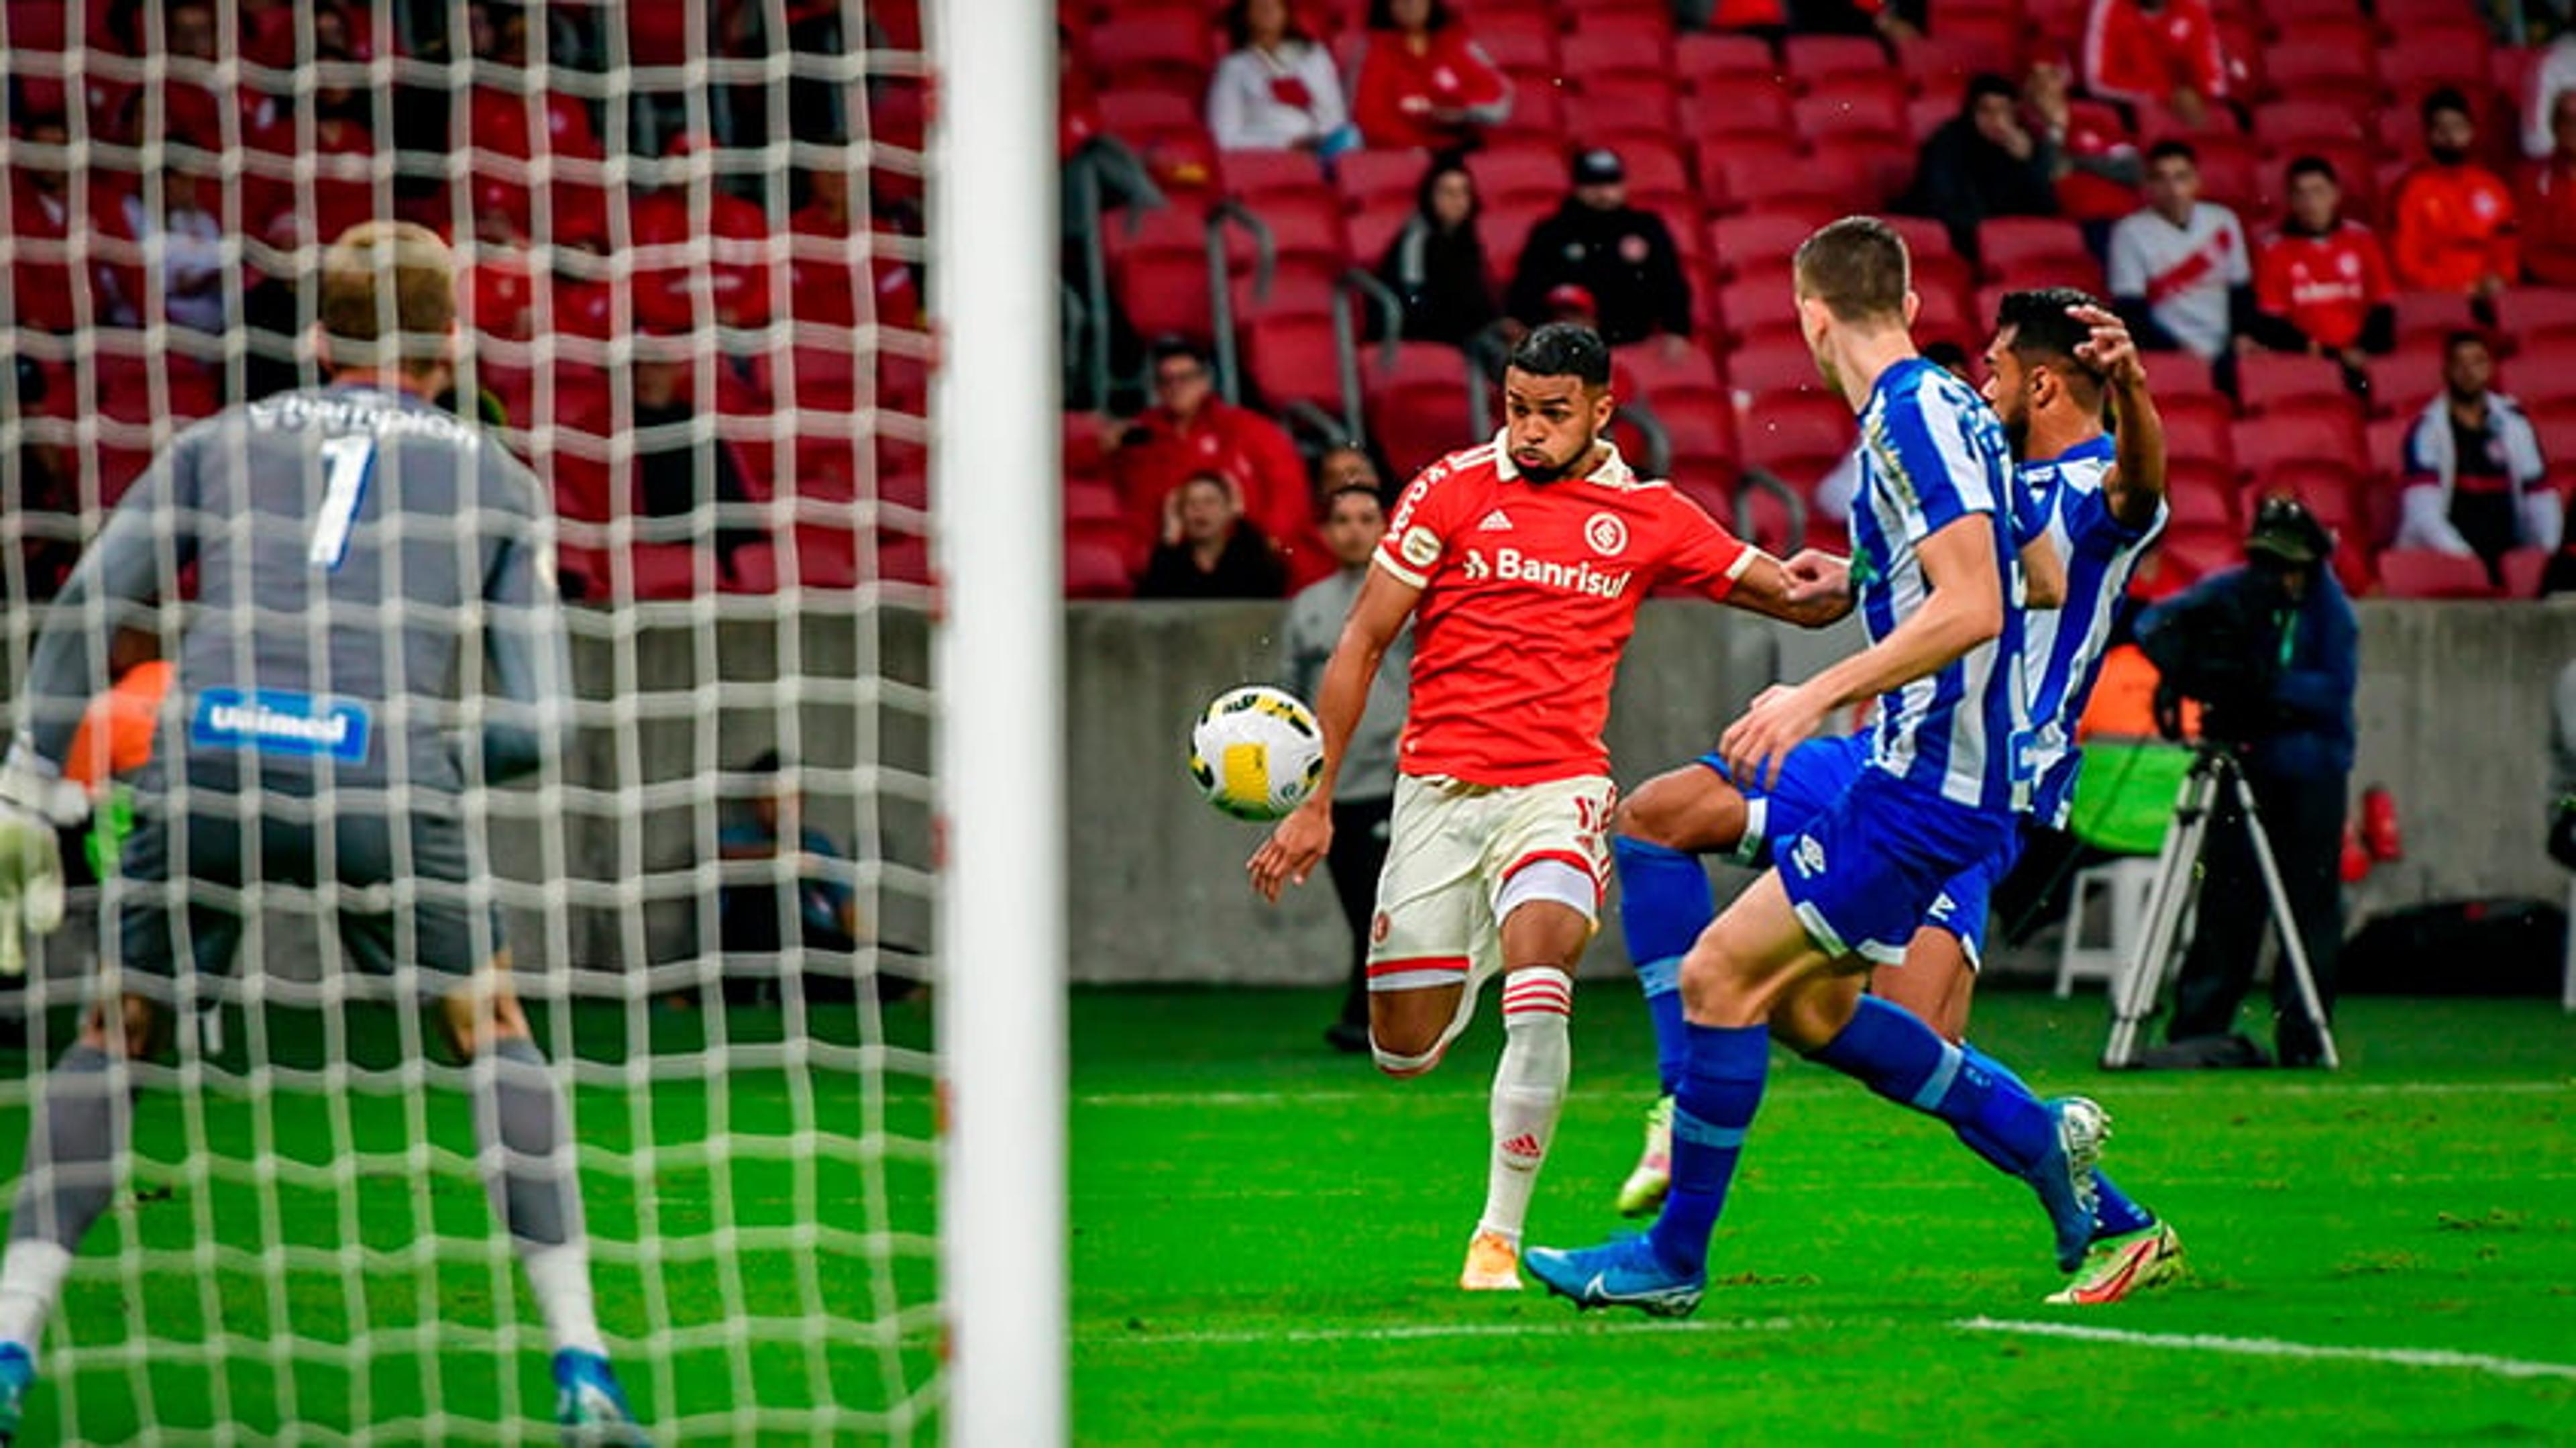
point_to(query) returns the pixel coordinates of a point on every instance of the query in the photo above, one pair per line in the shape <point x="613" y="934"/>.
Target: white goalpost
<point x="994" y="226"/>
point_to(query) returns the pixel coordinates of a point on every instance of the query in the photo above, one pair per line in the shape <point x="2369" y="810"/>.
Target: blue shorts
<point x="1964" y="902"/>
<point x="1814" y="775"/>
<point x="1869" y="869"/>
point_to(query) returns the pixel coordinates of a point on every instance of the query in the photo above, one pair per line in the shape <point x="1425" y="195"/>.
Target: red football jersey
<point x="2325" y="285"/>
<point x="1529" y="594"/>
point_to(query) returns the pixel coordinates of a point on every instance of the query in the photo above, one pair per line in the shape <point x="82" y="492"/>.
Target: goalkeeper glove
<point x="35" y="802"/>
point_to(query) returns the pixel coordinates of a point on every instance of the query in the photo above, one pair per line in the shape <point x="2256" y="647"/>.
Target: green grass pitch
<point x="840" y="1337"/>
<point x="1266" y="1240"/>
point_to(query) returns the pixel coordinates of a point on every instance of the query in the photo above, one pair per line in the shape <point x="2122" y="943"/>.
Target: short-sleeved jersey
<point x="2324" y="285"/>
<point x="1529" y="593"/>
<point x="1932" y="453"/>
<point x="2065" y="645"/>
<point x="361" y="558"/>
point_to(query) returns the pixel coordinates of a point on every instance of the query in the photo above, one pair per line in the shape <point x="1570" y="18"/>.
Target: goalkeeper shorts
<point x="182" y="884"/>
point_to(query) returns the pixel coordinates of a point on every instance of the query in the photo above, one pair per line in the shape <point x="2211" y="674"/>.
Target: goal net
<point x="690" y="247"/>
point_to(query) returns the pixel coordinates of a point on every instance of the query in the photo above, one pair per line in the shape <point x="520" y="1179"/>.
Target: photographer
<point x="2272" y="652"/>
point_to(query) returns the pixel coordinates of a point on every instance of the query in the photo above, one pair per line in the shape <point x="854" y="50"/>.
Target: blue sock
<point x="2114" y="1214"/>
<point x="1664" y="904"/>
<point x="1894" y="1054"/>
<point x="1713" y="1102"/>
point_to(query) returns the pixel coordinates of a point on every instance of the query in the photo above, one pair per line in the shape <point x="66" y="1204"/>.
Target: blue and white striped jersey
<point x="1931" y="453"/>
<point x="2064" y="646"/>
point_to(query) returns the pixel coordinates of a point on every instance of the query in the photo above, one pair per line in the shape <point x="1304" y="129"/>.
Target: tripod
<point x="2134" y="992"/>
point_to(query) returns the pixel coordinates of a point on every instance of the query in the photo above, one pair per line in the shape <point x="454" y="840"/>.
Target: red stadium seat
<point x="2543" y="374"/>
<point x="2231" y="171"/>
<point x="1704" y="442"/>
<point x="1940" y="64"/>
<point x="1707" y="62"/>
<point x="2328" y="489"/>
<point x="1756" y="239"/>
<point x="1258" y="175"/>
<point x="2384" y="439"/>
<point x="2033" y="251"/>
<point x="1716" y="115"/>
<point x="1514" y="171"/>
<point x="1373" y="225"/>
<point x="1763" y="368"/>
<point x="2292" y="17"/>
<point x="1758" y="310"/>
<point x="2264" y="444"/>
<point x="1798" y="435"/>
<point x="1507" y="228"/>
<point x="2402" y="382"/>
<point x="1598" y="59"/>
<point x="1928" y="113"/>
<point x="1924" y="237"/>
<point x="1537" y="114"/>
<point x="2199" y="426"/>
<point x="1744" y="173"/>
<point x="1418" y="407"/>
<point x="1522" y="41"/>
<point x="1666" y="381"/>
<point x="2202" y="494"/>
<point x="1862" y="170"/>
<point x="2186" y="557"/>
<point x="2427" y="319"/>
<point x="2423" y="573"/>
<point x="2427" y="56"/>
<point x="2523" y="570"/>
<point x="1860" y="102"/>
<point x="2184" y="374"/>
<point x="2527" y="313"/>
<point x="2266" y="380"/>
<point x="1093" y="569"/>
<point x="1365" y="176"/>
<point x="1294" y="358"/>
<point x="2327" y="55"/>
<point x="1611" y="114"/>
<point x="1810" y="58"/>
<point x="2289" y="125"/>
<point x="1152" y="51"/>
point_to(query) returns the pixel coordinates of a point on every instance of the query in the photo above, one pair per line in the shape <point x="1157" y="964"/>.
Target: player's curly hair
<point x="1564" y="349"/>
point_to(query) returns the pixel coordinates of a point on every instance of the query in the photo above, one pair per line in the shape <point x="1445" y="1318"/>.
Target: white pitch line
<point x="2112" y="1094"/>
<point x="2413" y="1357"/>
<point x="1434" y="1332"/>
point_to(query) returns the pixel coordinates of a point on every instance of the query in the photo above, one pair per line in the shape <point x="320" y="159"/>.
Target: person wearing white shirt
<point x="2179" y="271"/>
<point x="1277" y="90"/>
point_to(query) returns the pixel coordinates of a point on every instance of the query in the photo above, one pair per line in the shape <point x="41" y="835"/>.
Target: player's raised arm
<point x="1298" y="843"/>
<point x="1965" y="608"/>
<point x="2135" y="485"/>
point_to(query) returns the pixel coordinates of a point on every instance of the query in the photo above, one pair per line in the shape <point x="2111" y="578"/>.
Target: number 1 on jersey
<point x="345" y="461"/>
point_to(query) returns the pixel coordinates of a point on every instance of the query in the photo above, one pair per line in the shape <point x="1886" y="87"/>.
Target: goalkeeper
<point x="364" y="563"/>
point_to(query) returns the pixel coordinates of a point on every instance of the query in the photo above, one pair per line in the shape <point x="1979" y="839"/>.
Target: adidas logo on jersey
<point x="1524" y="1147"/>
<point x="1496" y="521"/>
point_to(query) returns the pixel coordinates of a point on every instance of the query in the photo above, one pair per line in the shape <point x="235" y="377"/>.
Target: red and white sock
<point x="1529" y="1090"/>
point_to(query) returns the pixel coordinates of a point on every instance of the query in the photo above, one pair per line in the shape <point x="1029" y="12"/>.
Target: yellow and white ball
<point x="1257" y="752"/>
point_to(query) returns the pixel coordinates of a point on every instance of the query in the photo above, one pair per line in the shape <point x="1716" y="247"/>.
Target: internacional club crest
<point x="1607" y="533"/>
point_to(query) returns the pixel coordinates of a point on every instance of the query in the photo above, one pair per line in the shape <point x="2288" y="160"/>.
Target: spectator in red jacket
<point x="1422" y="82"/>
<point x="2546" y="208"/>
<point x="2155" y="50"/>
<point x="2321" y="282"/>
<point x="672" y="218"/>
<point x="1190" y="430"/>
<point x="2453" y="223"/>
<point x="342" y="148"/>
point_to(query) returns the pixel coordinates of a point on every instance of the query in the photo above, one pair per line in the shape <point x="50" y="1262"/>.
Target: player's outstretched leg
<point x="524" y="1135"/>
<point x="1728" y="980"/>
<point x="1656" y="837"/>
<point x="2050" y="1145"/>
<point x="74" y="1142"/>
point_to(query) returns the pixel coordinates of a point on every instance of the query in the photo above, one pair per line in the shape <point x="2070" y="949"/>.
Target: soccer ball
<point x="1257" y="752"/>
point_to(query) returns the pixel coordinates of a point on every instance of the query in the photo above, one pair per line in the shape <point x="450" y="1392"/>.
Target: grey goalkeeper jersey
<point x="363" y="562"/>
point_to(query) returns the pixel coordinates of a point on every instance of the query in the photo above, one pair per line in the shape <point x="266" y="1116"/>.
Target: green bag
<point x="2124" y="798"/>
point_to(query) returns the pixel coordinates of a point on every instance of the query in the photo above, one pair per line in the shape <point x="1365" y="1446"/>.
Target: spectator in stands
<point x="2473" y="471"/>
<point x="1623" y="256"/>
<point x="40" y="215"/>
<point x="752" y="916"/>
<point x="2162" y="51"/>
<point x="823" y="285"/>
<point x="1277" y="90"/>
<point x="2552" y="78"/>
<point x="188" y="227"/>
<point x="1346" y="466"/>
<point x="678" y="472"/>
<point x="1436" y="264"/>
<point x="1984" y="162"/>
<point x="1354" y="521"/>
<point x="2321" y="284"/>
<point x="672" y="216"/>
<point x="2452" y="218"/>
<point x="341" y="147"/>
<point x="2546" y="208"/>
<point x="1190" y="430"/>
<point x="1209" y="550"/>
<point x="1423" y="82"/>
<point x="190" y="111"/>
<point x="2179" y="272"/>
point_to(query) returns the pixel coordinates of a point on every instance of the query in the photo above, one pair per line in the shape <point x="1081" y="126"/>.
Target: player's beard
<point x="1553" y="472"/>
<point x="2017" y="432"/>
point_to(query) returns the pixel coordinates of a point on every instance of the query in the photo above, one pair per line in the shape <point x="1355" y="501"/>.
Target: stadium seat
<point x="1597" y="59"/>
<point x="2327" y="55"/>
<point x="2036" y="251"/>
<point x="2526" y="313"/>
<point x="1798" y="435"/>
<point x="1925" y="114"/>
<point x="1151" y="51"/>
<point x="1294" y="358"/>
<point x="2425" y="574"/>
<point x="1784" y="364"/>
<point x="2265" y="443"/>
<point x="1924" y="237"/>
<point x="2523" y="570"/>
<point x="2231" y="171"/>
<point x="1721" y="63"/>
<point x="2542" y="376"/>
<point x="2402" y="382"/>
<point x="2428" y="56"/>
<point x="1367" y="176"/>
<point x="1259" y="175"/>
<point x="1860" y="102"/>
<point x="2291" y="17"/>
<point x="2183" y="374"/>
<point x="2429" y="318"/>
<point x="2190" y="555"/>
<point x="1703" y="440"/>
<point x="1418" y="406"/>
<point x="2198" y="425"/>
<point x="1940" y="64"/>
<point x="1093" y="569"/>
<point x="2266" y="380"/>
<point x="2329" y="490"/>
<point x="1756" y="107"/>
<point x="1668" y="382"/>
<point x="1810" y="58"/>
<point x="1612" y="115"/>
<point x="1506" y="228"/>
<point x="1756" y="239"/>
<point x="1758" y="172"/>
<point x="1372" y="226"/>
<point x="2290" y="125"/>
<point x="1862" y="170"/>
<point x="1523" y="41"/>
<point x="1520" y="171"/>
<point x="1537" y="114"/>
<point x="2202" y="494"/>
